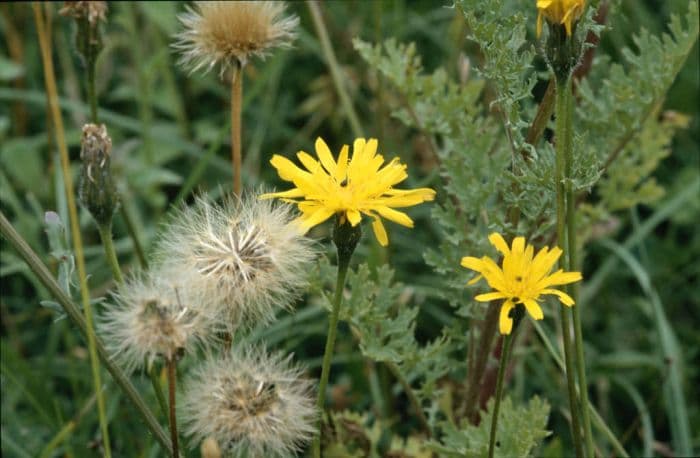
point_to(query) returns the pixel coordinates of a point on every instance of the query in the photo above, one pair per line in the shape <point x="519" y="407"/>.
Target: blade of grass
<point x="595" y="416"/>
<point x="647" y="428"/>
<point x="664" y="210"/>
<point x="76" y="317"/>
<point x="671" y="353"/>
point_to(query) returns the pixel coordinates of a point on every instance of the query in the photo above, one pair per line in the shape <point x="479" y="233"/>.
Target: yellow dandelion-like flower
<point x="522" y="278"/>
<point x="229" y="33"/>
<point x="253" y="404"/>
<point x="349" y="187"/>
<point x="564" y="12"/>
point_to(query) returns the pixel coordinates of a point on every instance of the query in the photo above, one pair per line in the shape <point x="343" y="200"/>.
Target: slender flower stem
<point x="236" y="101"/>
<point x="106" y="236"/>
<point x="46" y="278"/>
<point x="563" y="139"/>
<point x="573" y="266"/>
<point x="52" y="94"/>
<point x="332" y="62"/>
<point x="172" y="366"/>
<point x="505" y="353"/>
<point x="131" y="229"/>
<point x="328" y="353"/>
<point x="155" y="381"/>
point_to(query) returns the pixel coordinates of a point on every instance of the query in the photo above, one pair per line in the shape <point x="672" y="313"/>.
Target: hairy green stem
<point x="505" y="353"/>
<point x="236" y="101"/>
<point x="328" y="353"/>
<point x="46" y="278"/>
<point x="52" y="94"/>
<point x="106" y="237"/>
<point x="412" y="398"/>
<point x="334" y="67"/>
<point x="563" y="139"/>
<point x="155" y="381"/>
<point x="172" y="379"/>
<point x="573" y="266"/>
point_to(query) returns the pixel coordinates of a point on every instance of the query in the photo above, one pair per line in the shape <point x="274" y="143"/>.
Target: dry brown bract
<point x="230" y="33"/>
<point x="93" y="11"/>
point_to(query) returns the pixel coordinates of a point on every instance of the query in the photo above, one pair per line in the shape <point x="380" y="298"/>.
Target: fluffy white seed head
<point x="252" y="403"/>
<point x="244" y="259"/>
<point x="229" y="33"/>
<point x="153" y="317"/>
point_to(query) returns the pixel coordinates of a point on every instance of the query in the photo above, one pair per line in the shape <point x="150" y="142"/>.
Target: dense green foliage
<point x="454" y="92"/>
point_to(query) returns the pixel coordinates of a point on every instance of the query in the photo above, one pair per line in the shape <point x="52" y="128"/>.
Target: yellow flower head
<point x="522" y="278"/>
<point x="348" y="187"/>
<point x="564" y="12"/>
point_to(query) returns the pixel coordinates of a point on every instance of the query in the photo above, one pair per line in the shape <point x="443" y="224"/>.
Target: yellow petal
<point x="492" y="296"/>
<point x="497" y="240"/>
<point x="505" y="322"/>
<point x="315" y="218"/>
<point x="475" y="279"/>
<point x="380" y="232"/>
<point x="534" y="309"/>
<point x="518" y="246"/>
<point x="309" y="162"/>
<point x="342" y="169"/>
<point x="294" y="192"/>
<point x="563" y="297"/>
<point x="559" y="278"/>
<point x="285" y="168"/>
<point x="324" y="154"/>
<point x="472" y="263"/>
<point x="395" y="216"/>
<point x="539" y="25"/>
<point x="354" y="217"/>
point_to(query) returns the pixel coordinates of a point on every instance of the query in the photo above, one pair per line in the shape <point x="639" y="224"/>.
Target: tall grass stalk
<point x="52" y="94"/>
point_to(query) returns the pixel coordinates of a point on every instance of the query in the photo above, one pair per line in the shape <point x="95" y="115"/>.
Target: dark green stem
<point x="563" y="144"/>
<point x="106" y="236"/>
<point x="574" y="289"/>
<point x="505" y="353"/>
<point x="172" y="365"/>
<point x="345" y="238"/>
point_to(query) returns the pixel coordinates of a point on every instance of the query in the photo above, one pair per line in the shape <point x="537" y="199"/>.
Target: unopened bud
<point x="87" y="16"/>
<point x="97" y="191"/>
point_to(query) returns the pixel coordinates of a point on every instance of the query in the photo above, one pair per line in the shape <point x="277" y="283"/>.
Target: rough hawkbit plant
<point x="229" y="34"/>
<point x="251" y="403"/>
<point x="551" y="133"/>
<point x="346" y="188"/>
<point x="245" y="259"/>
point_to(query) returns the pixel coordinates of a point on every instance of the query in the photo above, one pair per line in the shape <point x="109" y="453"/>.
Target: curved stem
<point x="563" y="139"/>
<point x="505" y="353"/>
<point x="106" y="237"/>
<point x="236" y="97"/>
<point x="172" y="366"/>
<point x="52" y="94"/>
